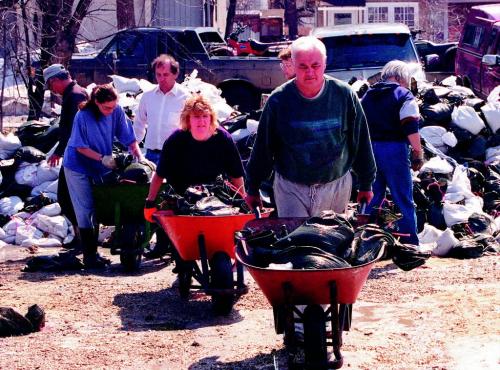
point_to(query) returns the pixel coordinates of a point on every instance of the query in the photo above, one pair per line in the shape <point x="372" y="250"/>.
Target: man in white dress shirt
<point x="159" y="110"/>
<point x="156" y="118"/>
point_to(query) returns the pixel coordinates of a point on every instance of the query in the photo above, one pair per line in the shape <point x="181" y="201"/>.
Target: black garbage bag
<point x="419" y="197"/>
<point x="35" y="203"/>
<point x="309" y="258"/>
<point x="30" y="131"/>
<point x="29" y="154"/>
<point x="463" y="136"/>
<point x="140" y="173"/>
<point x="407" y="256"/>
<point x="58" y="262"/>
<point x="477" y="148"/>
<point x="370" y="241"/>
<point x="436" y="114"/>
<point x="480" y="223"/>
<point x="13" y="188"/>
<point x="476" y="179"/>
<point x="429" y="96"/>
<point x="333" y="234"/>
<point x="13" y="323"/>
<point x="466" y="249"/>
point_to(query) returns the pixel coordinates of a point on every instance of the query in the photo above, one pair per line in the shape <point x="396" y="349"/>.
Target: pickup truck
<point x="130" y="52"/>
<point x="360" y="51"/>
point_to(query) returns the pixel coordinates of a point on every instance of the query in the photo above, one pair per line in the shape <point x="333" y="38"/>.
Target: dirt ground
<point x="444" y="315"/>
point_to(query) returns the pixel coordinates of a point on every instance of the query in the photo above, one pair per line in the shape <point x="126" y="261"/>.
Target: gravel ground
<point x="444" y="315"/>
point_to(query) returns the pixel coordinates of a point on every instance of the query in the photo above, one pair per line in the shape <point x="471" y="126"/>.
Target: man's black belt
<point x="155" y="150"/>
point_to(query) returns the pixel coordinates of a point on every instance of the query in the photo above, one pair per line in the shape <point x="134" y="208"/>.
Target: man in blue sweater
<point x="312" y="133"/>
<point x="393" y="116"/>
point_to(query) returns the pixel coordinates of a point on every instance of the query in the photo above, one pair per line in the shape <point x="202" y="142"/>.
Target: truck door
<point x="490" y="76"/>
<point x="131" y="60"/>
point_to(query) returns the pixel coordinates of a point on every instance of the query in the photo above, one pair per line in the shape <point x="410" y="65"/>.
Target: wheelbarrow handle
<point x="256" y="212"/>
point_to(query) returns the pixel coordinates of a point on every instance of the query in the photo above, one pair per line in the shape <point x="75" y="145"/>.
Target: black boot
<point x="91" y="259"/>
<point x="76" y="245"/>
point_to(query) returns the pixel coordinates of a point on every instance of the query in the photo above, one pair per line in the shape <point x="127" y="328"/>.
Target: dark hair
<point x="100" y="94"/>
<point x="163" y="59"/>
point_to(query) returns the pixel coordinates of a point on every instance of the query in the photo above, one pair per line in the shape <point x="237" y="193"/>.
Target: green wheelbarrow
<point x="121" y="205"/>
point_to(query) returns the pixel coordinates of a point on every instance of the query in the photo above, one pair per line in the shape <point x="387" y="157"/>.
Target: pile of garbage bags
<point x="219" y="198"/>
<point x="326" y="242"/>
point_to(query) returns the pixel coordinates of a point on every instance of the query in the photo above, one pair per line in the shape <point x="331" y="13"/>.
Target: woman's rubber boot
<point x="91" y="259"/>
<point x="100" y="259"/>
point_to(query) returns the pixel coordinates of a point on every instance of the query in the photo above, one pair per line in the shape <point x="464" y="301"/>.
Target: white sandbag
<point x="429" y="234"/>
<point x="8" y="145"/>
<point x="460" y="183"/>
<point x="475" y="204"/>
<point x="453" y="197"/>
<point x="492" y="154"/>
<point x="433" y="134"/>
<point x="42" y="243"/>
<point x="22" y="215"/>
<point x="55" y="225"/>
<point x="463" y="91"/>
<point x="252" y="125"/>
<point x="444" y="243"/>
<point x="124" y="84"/>
<point x="240" y="134"/>
<point x="10" y="228"/>
<point x="491" y="112"/>
<point x="27" y="232"/>
<point x="9" y="239"/>
<point x="146" y="85"/>
<point x="3" y="234"/>
<point x="467" y="118"/>
<point x="494" y="96"/>
<point x="127" y="101"/>
<point x="45" y="173"/>
<point x="449" y="139"/>
<point x="26" y="174"/>
<point x="456" y="213"/>
<point x="53" y="209"/>
<point x="48" y="188"/>
<point x="10" y="205"/>
<point x="449" y="81"/>
<point x="437" y="165"/>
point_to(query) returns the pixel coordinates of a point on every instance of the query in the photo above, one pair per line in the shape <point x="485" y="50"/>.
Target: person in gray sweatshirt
<point x="312" y="133"/>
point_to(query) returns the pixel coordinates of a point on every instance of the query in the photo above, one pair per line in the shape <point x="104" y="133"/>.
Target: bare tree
<point x="291" y="18"/>
<point x="231" y="11"/>
<point x="125" y="14"/>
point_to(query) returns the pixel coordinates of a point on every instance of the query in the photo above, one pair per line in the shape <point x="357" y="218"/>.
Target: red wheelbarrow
<point x="285" y="289"/>
<point x="209" y="240"/>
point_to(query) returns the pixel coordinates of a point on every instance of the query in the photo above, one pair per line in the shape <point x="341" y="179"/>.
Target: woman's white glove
<point x="148" y="163"/>
<point x="108" y="161"/>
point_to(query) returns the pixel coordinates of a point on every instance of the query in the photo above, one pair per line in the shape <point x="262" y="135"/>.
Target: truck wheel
<point x="221" y="273"/>
<point x="245" y="97"/>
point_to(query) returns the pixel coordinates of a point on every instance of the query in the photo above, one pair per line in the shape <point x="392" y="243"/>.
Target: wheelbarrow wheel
<point x="315" y="350"/>
<point x="221" y="273"/>
<point x="131" y="253"/>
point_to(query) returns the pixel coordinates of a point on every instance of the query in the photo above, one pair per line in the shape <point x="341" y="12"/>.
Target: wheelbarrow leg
<point x="336" y="331"/>
<point x="204" y="262"/>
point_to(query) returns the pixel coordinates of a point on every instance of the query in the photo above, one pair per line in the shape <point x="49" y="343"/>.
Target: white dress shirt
<point x="159" y="113"/>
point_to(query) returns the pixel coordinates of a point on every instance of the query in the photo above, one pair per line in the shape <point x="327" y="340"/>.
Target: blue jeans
<point x="80" y="191"/>
<point x="393" y="172"/>
<point x="153" y="156"/>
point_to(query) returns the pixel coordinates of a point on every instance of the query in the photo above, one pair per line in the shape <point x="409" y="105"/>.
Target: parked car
<point x="478" y="53"/>
<point x="362" y="50"/>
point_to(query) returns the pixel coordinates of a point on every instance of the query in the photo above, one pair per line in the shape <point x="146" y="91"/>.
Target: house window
<point x="343" y="18"/>
<point x="378" y="14"/>
<point x="405" y="15"/>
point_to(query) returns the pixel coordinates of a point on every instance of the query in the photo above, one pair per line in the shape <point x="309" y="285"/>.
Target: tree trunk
<point x="231" y="11"/>
<point x="291" y="18"/>
<point x="125" y="14"/>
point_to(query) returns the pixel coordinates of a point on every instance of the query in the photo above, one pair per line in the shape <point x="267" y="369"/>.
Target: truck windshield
<point x="362" y="51"/>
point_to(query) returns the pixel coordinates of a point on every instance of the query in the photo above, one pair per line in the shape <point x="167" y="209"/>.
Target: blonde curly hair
<point x="197" y="104"/>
